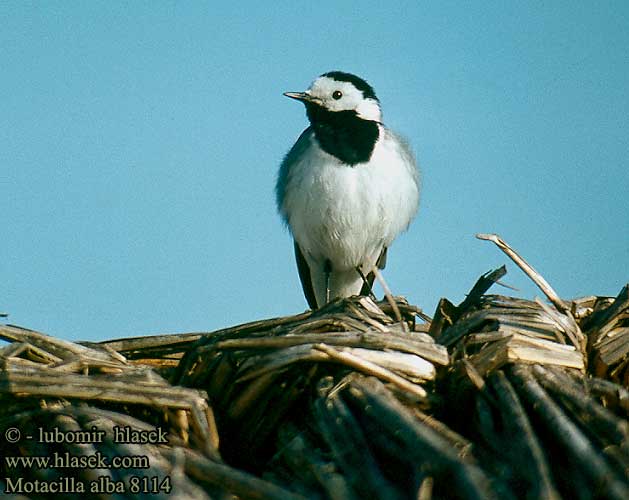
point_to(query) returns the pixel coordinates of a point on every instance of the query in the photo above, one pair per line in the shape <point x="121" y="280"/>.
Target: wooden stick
<point x="421" y="443"/>
<point x="237" y="482"/>
<point x="524" y="446"/>
<point x="389" y="296"/>
<point x="344" y="436"/>
<point x="537" y="278"/>
<point x="569" y="437"/>
<point x="373" y="369"/>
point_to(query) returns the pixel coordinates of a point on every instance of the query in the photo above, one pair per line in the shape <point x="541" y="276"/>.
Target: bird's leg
<point x="327" y="270"/>
<point x="366" y="282"/>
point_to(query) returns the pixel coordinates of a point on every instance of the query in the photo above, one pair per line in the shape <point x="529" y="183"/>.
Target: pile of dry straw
<point x="497" y="397"/>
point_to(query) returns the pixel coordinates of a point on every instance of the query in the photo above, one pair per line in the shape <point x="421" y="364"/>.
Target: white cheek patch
<point x="369" y="109"/>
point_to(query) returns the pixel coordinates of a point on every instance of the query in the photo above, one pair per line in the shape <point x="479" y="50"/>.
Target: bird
<point x="346" y="189"/>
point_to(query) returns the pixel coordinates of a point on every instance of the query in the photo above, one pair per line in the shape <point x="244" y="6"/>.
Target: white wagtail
<point x="346" y="189"/>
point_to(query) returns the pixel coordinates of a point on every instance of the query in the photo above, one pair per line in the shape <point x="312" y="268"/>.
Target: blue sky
<point x="140" y="141"/>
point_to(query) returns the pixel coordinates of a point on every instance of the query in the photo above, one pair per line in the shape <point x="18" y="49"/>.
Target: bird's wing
<point x="292" y="157"/>
<point x="382" y="260"/>
<point x="406" y="151"/>
<point x="304" y="276"/>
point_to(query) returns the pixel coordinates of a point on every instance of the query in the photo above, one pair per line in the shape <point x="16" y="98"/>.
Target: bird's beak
<point x="300" y="96"/>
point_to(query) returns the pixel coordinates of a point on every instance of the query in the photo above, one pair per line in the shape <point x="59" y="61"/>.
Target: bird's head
<point x="341" y="92"/>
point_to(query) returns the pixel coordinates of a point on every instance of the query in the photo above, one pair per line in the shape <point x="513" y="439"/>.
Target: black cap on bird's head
<point x="359" y="83"/>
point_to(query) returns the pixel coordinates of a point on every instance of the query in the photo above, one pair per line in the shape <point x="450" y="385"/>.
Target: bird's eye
<point x="337" y="94"/>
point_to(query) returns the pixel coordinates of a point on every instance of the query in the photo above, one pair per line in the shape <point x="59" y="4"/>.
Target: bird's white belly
<point x="347" y="214"/>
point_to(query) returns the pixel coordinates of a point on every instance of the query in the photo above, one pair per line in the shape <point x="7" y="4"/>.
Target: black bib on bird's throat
<point x="343" y="134"/>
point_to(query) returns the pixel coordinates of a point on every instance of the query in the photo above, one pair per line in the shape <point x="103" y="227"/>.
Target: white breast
<point x="347" y="214"/>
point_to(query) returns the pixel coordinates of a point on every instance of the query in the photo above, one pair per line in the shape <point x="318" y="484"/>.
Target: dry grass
<point x="496" y="397"/>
